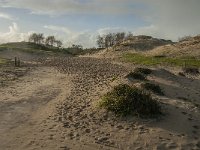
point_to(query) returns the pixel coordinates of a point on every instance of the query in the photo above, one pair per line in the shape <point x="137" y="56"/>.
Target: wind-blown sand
<point x="54" y="106"/>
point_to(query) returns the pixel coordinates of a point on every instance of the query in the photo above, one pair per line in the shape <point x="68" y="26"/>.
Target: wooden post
<point x="18" y="62"/>
<point x="15" y="61"/>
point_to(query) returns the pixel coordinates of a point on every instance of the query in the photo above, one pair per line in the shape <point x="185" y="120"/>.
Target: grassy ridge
<point x="32" y="48"/>
<point x="151" y="61"/>
<point x="125" y="100"/>
<point x="42" y="49"/>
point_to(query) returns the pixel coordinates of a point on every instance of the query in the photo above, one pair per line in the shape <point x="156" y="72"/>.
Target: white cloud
<point x="69" y="36"/>
<point x="168" y="19"/>
<point x="151" y="30"/>
<point x="6" y="16"/>
<point x="86" y="38"/>
<point x="164" y="18"/>
<point x="58" y="28"/>
<point x="13" y="35"/>
<point x="107" y="30"/>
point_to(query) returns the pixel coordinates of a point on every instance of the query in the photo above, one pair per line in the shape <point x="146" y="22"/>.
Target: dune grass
<point x="151" y="61"/>
<point x="125" y="100"/>
<point x="153" y="88"/>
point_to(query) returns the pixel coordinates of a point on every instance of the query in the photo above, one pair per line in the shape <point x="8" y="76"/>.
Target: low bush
<point x="125" y="100"/>
<point x="153" y="88"/>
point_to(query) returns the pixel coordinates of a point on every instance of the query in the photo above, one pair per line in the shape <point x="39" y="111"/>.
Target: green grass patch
<point x="124" y="100"/>
<point x="151" y="61"/>
<point x="3" y="61"/>
<point x="32" y="48"/>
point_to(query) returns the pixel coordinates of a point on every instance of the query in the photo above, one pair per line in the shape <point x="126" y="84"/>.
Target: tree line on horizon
<point x="49" y="41"/>
<point x="111" y="39"/>
<point x="105" y="41"/>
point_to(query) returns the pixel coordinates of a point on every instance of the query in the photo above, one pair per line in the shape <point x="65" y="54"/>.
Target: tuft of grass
<point x="153" y="88"/>
<point x="124" y="100"/>
<point x="191" y="70"/>
<point x="136" y="75"/>
<point x="151" y="61"/>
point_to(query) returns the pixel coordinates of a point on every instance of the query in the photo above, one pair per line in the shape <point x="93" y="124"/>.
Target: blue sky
<point x="80" y="21"/>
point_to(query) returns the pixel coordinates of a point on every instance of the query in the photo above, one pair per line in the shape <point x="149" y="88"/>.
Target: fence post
<point x="15" y="61"/>
<point x="18" y="62"/>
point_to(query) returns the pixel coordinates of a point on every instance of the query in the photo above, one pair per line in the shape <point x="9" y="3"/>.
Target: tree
<point x="50" y="41"/>
<point x="120" y="37"/>
<point x="36" y="38"/>
<point x="58" y="43"/>
<point x="100" y="42"/>
<point x="40" y="38"/>
<point x="33" y="38"/>
<point x="129" y="36"/>
<point x="109" y="40"/>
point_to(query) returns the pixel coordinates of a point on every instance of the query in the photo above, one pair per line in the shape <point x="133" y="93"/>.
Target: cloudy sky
<point x="80" y="21"/>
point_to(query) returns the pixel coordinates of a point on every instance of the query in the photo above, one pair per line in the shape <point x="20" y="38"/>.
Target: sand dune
<point x="54" y="106"/>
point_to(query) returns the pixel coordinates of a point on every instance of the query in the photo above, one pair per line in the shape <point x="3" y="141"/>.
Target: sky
<point x="80" y="21"/>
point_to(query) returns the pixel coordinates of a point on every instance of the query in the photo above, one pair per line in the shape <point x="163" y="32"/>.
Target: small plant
<point x="191" y="70"/>
<point x="125" y="100"/>
<point x="153" y="88"/>
<point x="143" y="71"/>
<point x="136" y="75"/>
<point x="114" y="78"/>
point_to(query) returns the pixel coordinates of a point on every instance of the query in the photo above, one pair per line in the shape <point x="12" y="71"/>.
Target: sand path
<point x="27" y="105"/>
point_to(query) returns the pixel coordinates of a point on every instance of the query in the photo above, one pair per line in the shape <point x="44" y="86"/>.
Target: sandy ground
<point x="55" y="107"/>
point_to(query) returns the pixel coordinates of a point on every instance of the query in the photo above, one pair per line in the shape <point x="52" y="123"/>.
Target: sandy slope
<point x="56" y="108"/>
<point x="25" y="106"/>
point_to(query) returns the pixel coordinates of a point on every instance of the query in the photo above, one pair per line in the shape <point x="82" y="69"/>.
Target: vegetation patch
<point x="153" y="88"/>
<point x="191" y="70"/>
<point x="136" y="76"/>
<point x="145" y="71"/>
<point x="3" y="61"/>
<point x="125" y="100"/>
<point x="151" y="61"/>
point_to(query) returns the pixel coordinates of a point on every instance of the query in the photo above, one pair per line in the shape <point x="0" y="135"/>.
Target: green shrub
<point x="143" y="71"/>
<point x="136" y="75"/>
<point x="153" y="88"/>
<point x="125" y="100"/>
